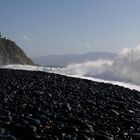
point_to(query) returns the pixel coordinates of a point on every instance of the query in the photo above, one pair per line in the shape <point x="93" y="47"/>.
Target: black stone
<point x="7" y="137"/>
<point x="47" y="106"/>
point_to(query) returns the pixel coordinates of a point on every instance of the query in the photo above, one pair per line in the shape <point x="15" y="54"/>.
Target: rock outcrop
<point x="10" y="53"/>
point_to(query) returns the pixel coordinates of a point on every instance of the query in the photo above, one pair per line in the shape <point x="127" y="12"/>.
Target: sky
<point x="44" y="27"/>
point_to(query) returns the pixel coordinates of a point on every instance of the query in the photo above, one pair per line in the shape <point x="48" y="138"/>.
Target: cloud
<point x="43" y="45"/>
<point x="26" y="38"/>
<point x="125" y="67"/>
<point x="84" y="45"/>
<point x="87" y="45"/>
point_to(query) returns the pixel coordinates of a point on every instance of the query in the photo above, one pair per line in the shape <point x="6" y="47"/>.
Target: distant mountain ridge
<point x="10" y="53"/>
<point x="63" y="60"/>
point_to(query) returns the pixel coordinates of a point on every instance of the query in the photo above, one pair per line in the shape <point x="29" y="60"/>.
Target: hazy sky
<point x="43" y="27"/>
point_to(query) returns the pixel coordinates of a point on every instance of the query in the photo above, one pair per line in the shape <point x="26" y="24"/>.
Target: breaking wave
<point x="125" y="67"/>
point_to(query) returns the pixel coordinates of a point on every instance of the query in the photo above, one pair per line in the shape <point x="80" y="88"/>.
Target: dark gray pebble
<point x="7" y="138"/>
<point x="47" y="106"/>
<point x="135" y="136"/>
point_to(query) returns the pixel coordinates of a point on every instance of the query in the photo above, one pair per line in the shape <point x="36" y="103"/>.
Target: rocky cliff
<point x="10" y="53"/>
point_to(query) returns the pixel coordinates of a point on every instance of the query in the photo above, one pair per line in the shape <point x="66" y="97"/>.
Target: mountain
<point x="46" y="106"/>
<point x="10" y="53"/>
<point x="63" y="60"/>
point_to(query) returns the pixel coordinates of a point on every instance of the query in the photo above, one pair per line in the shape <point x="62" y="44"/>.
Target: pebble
<point x="7" y="137"/>
<point x="56" y="107"/>
<point x="135" y="136"/>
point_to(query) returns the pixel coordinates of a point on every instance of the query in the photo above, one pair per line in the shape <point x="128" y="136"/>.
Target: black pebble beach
<point x="46" y="106"/>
